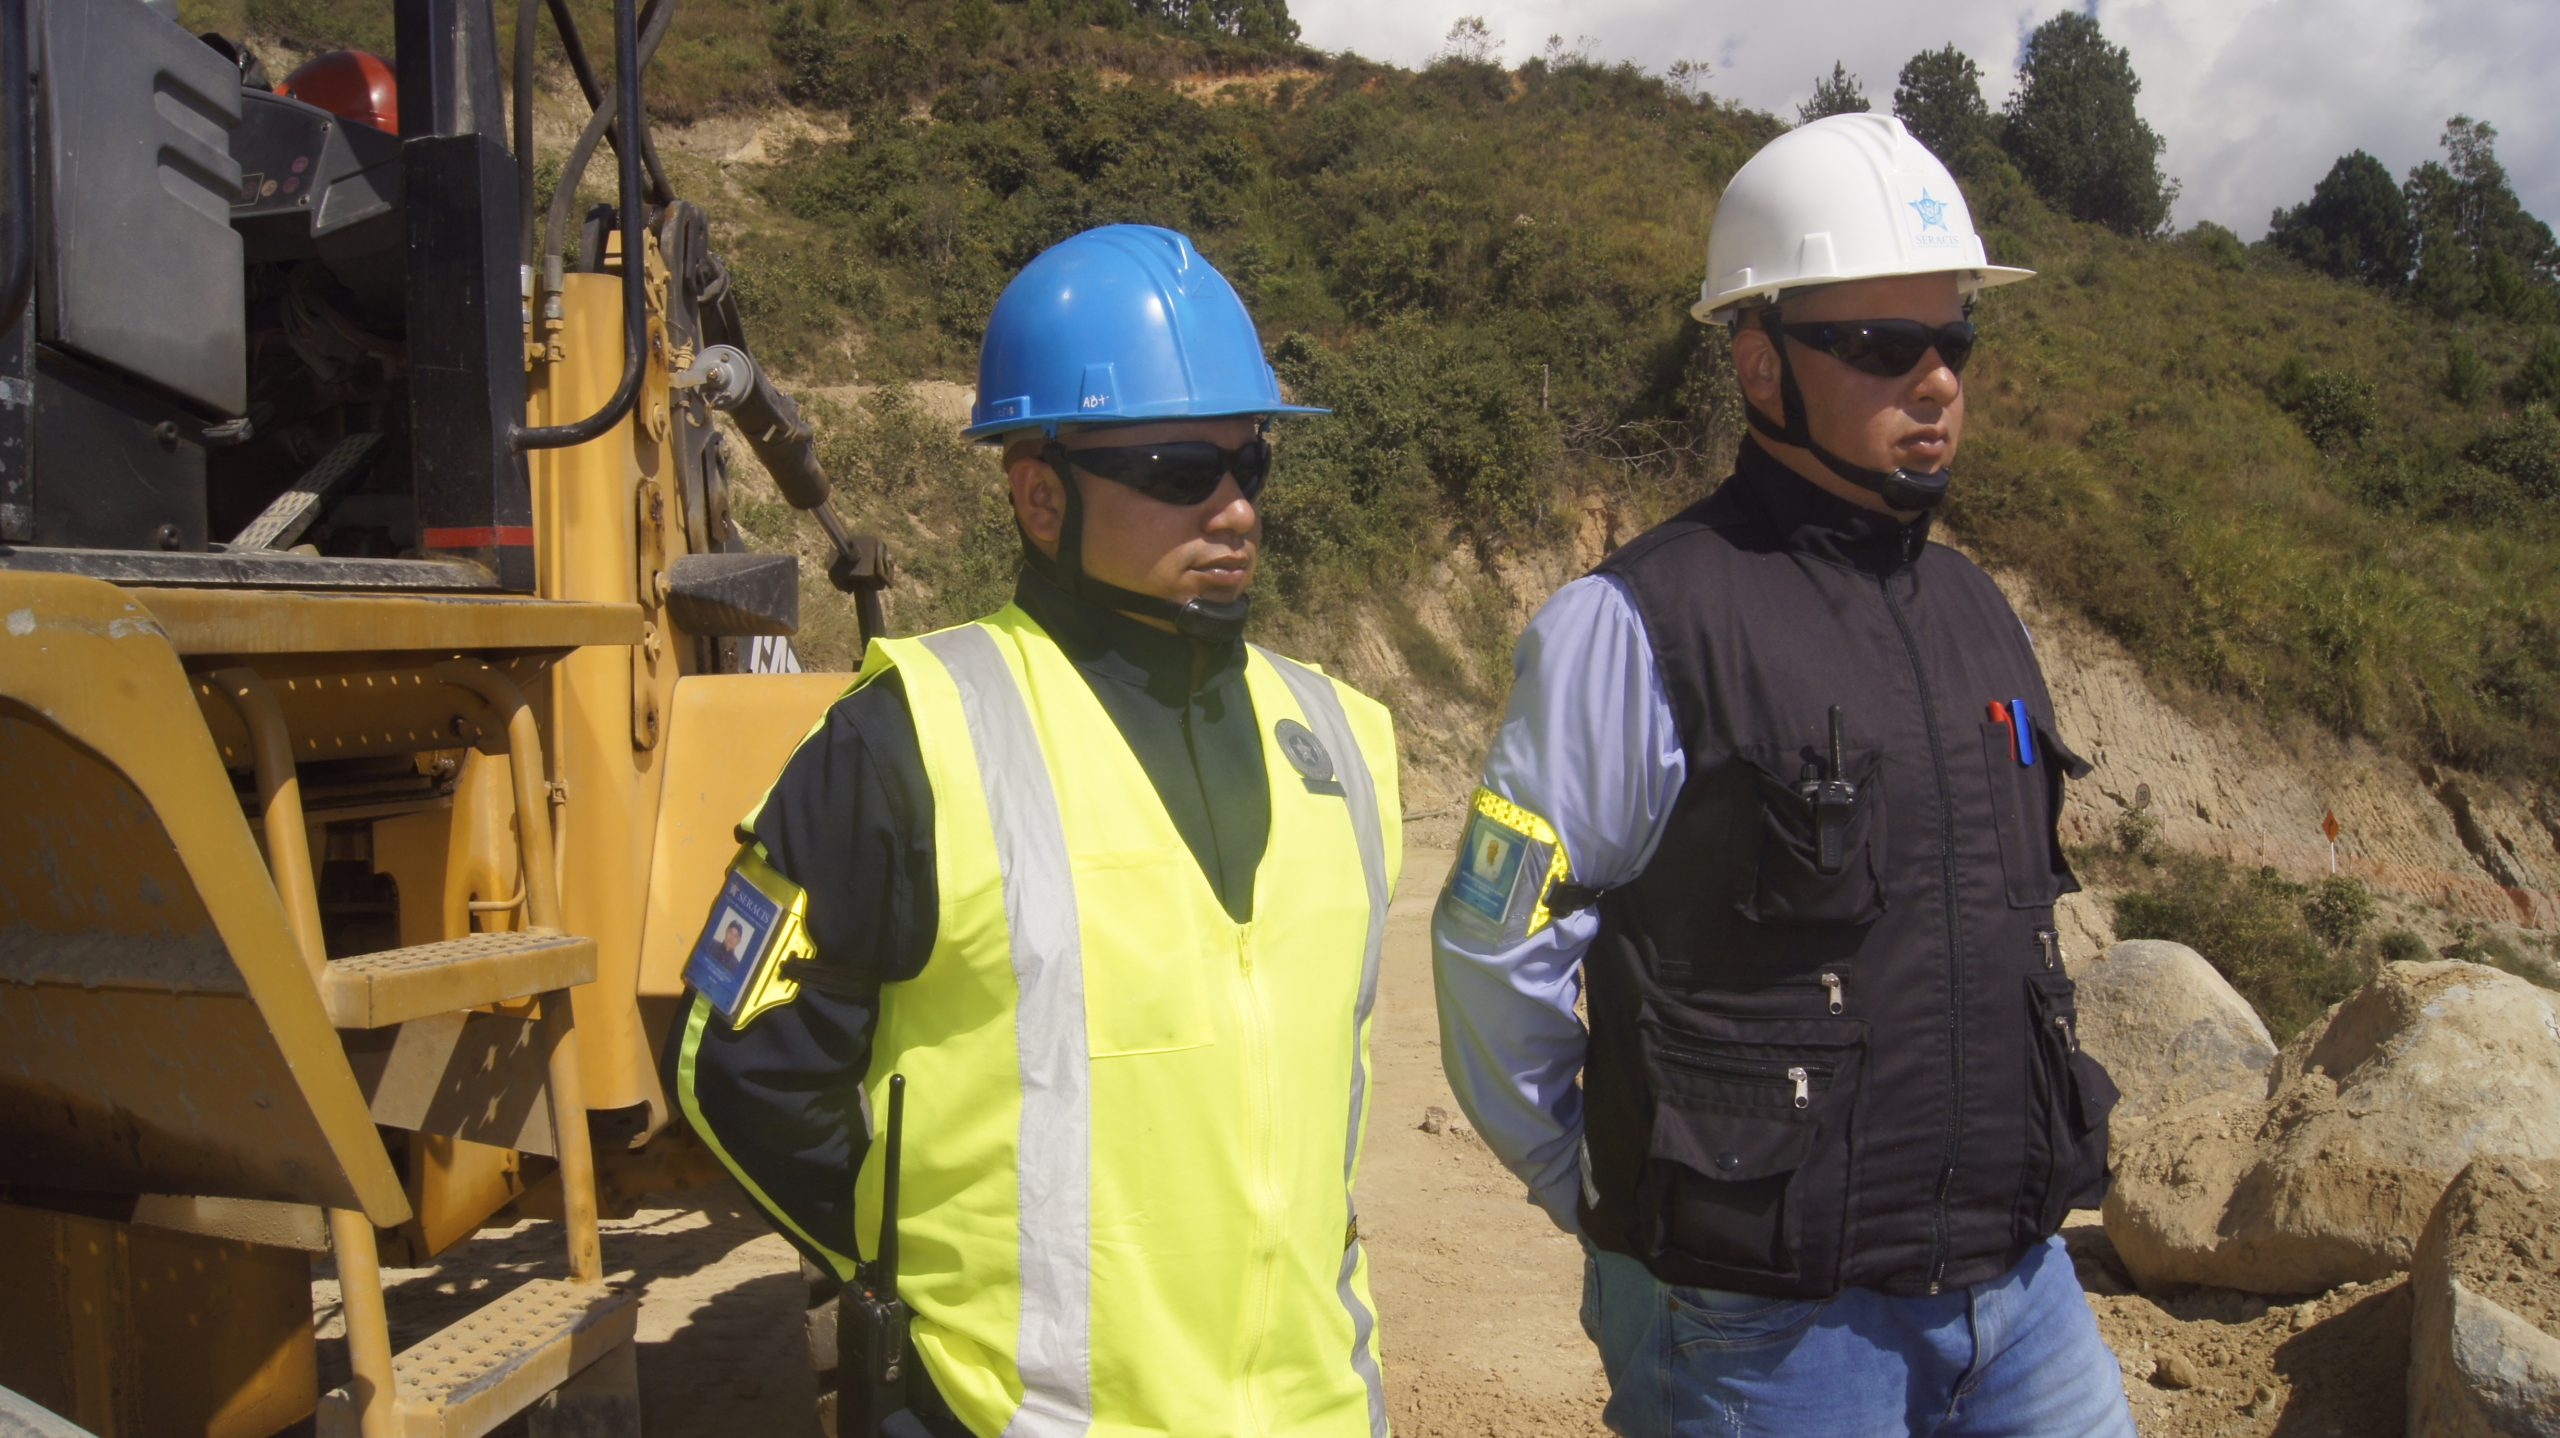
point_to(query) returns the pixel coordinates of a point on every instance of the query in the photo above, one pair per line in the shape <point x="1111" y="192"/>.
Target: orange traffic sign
<point x="2329" y="825"/>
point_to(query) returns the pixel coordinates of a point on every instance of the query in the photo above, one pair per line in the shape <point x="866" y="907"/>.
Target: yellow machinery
<point x="348" y="863"/>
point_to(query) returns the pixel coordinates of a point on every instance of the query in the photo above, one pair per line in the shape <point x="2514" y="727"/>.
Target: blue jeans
<point x="2019" y="1355"/>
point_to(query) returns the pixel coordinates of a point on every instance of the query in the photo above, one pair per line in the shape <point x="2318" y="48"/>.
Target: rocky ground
<point x="1478" y="1293"/>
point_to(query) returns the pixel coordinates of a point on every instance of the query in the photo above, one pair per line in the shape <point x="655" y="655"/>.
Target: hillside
<point x="2313" y="531"/>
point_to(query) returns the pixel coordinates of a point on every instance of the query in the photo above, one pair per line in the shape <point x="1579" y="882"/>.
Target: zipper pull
<point x="2049" y="947"/>
<point x="1804" y="1085"/>
<point x="1831" y="981"/>
<point x="2070" y="1039"/>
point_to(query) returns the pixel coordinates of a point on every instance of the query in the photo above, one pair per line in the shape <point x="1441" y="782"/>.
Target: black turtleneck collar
<point x="1183" y="707"/>
<point x="1813" y="521"/>
<point x="1111" y="645"/>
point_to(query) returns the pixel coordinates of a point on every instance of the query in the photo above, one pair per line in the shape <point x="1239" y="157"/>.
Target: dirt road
<point x="1476" y="1291"/>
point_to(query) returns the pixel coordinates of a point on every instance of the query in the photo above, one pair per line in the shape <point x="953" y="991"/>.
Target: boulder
<point x="2485" y="1305"/>
<point x="2169" y="1029"/>
<point x="2370" y="1113"/>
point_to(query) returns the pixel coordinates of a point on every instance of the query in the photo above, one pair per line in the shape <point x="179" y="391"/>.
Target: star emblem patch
<point x="1933" y="212"/>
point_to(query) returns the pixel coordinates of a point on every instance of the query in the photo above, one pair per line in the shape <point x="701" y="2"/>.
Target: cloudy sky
<point x="2257" y="98"/>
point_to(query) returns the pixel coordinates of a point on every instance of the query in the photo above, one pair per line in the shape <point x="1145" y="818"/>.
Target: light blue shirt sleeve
<point x="1589" y="744"/>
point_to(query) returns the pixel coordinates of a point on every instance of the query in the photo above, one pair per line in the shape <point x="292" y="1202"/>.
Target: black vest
<point x="1832" y="1044"/>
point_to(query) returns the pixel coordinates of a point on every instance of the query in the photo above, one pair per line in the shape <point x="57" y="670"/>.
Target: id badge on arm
<point x="1509" y="861"/>
<point x="755" y="928"/>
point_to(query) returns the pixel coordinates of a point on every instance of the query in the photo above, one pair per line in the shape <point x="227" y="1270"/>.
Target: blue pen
<point x="2024" y="727"/>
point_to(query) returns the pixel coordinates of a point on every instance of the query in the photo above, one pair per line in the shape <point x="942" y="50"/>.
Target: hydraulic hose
<point x="526" y="15"/>
<point x="635" y="317"/>
<point x="18" y="260"/>
<point x="574" y="170"/>
<point x="574" y="46"/>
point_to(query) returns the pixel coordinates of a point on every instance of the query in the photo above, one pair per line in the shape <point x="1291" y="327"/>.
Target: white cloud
<point x="2256" y="98"/>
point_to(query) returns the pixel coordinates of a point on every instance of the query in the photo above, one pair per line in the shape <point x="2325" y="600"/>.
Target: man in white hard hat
<point x="1776" y="794"/>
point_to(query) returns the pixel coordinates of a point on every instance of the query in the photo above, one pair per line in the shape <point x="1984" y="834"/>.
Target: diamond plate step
<point x="372" y="991"/>
<point x="478" y="1373"/>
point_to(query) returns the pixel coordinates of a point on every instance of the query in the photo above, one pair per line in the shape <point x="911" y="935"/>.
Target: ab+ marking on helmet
<point x="1122" y="325"/>
<point x="1848" y="197"/>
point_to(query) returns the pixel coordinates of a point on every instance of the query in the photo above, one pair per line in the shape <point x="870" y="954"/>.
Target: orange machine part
<point x="350" y="84"/>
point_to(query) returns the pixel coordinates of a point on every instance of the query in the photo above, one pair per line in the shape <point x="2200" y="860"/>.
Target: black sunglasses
<point x="1888" y="349"/>
<point x="1183" y="471"/>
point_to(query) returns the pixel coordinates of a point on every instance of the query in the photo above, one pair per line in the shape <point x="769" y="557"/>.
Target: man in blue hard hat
<point x="1105" y="886"/>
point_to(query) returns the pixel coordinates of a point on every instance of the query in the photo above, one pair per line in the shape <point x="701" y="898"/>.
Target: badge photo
<point x="1490" y="866"/>
<point x="736" y="962"/>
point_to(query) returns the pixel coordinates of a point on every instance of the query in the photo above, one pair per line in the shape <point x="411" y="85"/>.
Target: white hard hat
<point x="1847" y="197"/>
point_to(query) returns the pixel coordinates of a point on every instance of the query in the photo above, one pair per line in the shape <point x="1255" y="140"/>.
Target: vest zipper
<point x="1955" y="947"/>
<point x="1261" y="1104"/>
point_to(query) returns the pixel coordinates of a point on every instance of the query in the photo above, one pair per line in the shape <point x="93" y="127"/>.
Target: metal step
<point x="500" y="1361"/>
<point x="372" y="991"/>
<point x="292" y="511"/>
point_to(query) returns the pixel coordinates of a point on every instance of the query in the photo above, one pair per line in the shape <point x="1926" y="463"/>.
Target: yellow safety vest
<point x="1132" y="1123"/>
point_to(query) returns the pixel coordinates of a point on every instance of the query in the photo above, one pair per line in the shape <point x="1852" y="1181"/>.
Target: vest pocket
<point x="1747" y="1169"/>
<point x="2070" y="1096"/>
<point x="1147" y="973"/>
<point x="2026" y="803"/>
<point x="1816" y="868"/>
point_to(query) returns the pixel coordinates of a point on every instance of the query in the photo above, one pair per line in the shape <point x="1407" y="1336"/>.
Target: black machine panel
<point x="138" y="268"/>
<point x="314" y="186"/>
<point x="135" y="350"/>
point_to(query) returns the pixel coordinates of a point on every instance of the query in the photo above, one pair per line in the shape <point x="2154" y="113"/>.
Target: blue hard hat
<point x="1120" y="325"/>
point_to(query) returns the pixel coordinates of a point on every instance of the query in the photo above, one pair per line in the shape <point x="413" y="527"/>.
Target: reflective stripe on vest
<point x="1054" y="1155"/>
<point x="1128" y="1109"/>
<point x="1324" y="714"/>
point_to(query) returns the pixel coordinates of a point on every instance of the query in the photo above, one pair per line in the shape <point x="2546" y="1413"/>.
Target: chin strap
<point x="1205" y="620"/>
<point x="1910" y="491"/>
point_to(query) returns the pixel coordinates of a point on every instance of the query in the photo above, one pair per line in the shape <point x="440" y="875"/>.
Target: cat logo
<point x="772" y="654"/>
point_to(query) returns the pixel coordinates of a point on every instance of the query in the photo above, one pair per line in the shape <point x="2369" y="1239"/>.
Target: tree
<point x="1938" y="98"/>
<point x="2355" y="225"/>
<point x="1839" y="95"/>
<point x="2072" y="130"/>
<point x="1263" y="21"/>
<point x="1470" y="41"/>
<point x="1687" y="78"/>
<point x="2476" y="247"/>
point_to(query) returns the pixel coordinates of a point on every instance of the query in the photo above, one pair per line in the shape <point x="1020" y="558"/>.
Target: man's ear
<point x="1039" y="501"/>
<point x="1755" y="367"/>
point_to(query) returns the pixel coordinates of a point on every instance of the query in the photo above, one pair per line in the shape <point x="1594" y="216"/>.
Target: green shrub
<point x="2466" y="377"/>
<point x="2249" y="925"/>
<point x="2402" y="947"/>
<point x="2472" y="494"/>
<point x="2138" y="833"/>
<point x="2525" y="450"/>
<point x="2390" y="483"/>
<point x="2339" y="909"/>
<point x="2336" y="411"/>
<point x="2473" y="945"/>
<point x="2539" y="379"/>
<point x="2218" y="244"/>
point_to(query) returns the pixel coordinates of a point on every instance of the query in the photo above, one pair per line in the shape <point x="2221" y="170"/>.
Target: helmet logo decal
<point x="1932" y="212"/>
